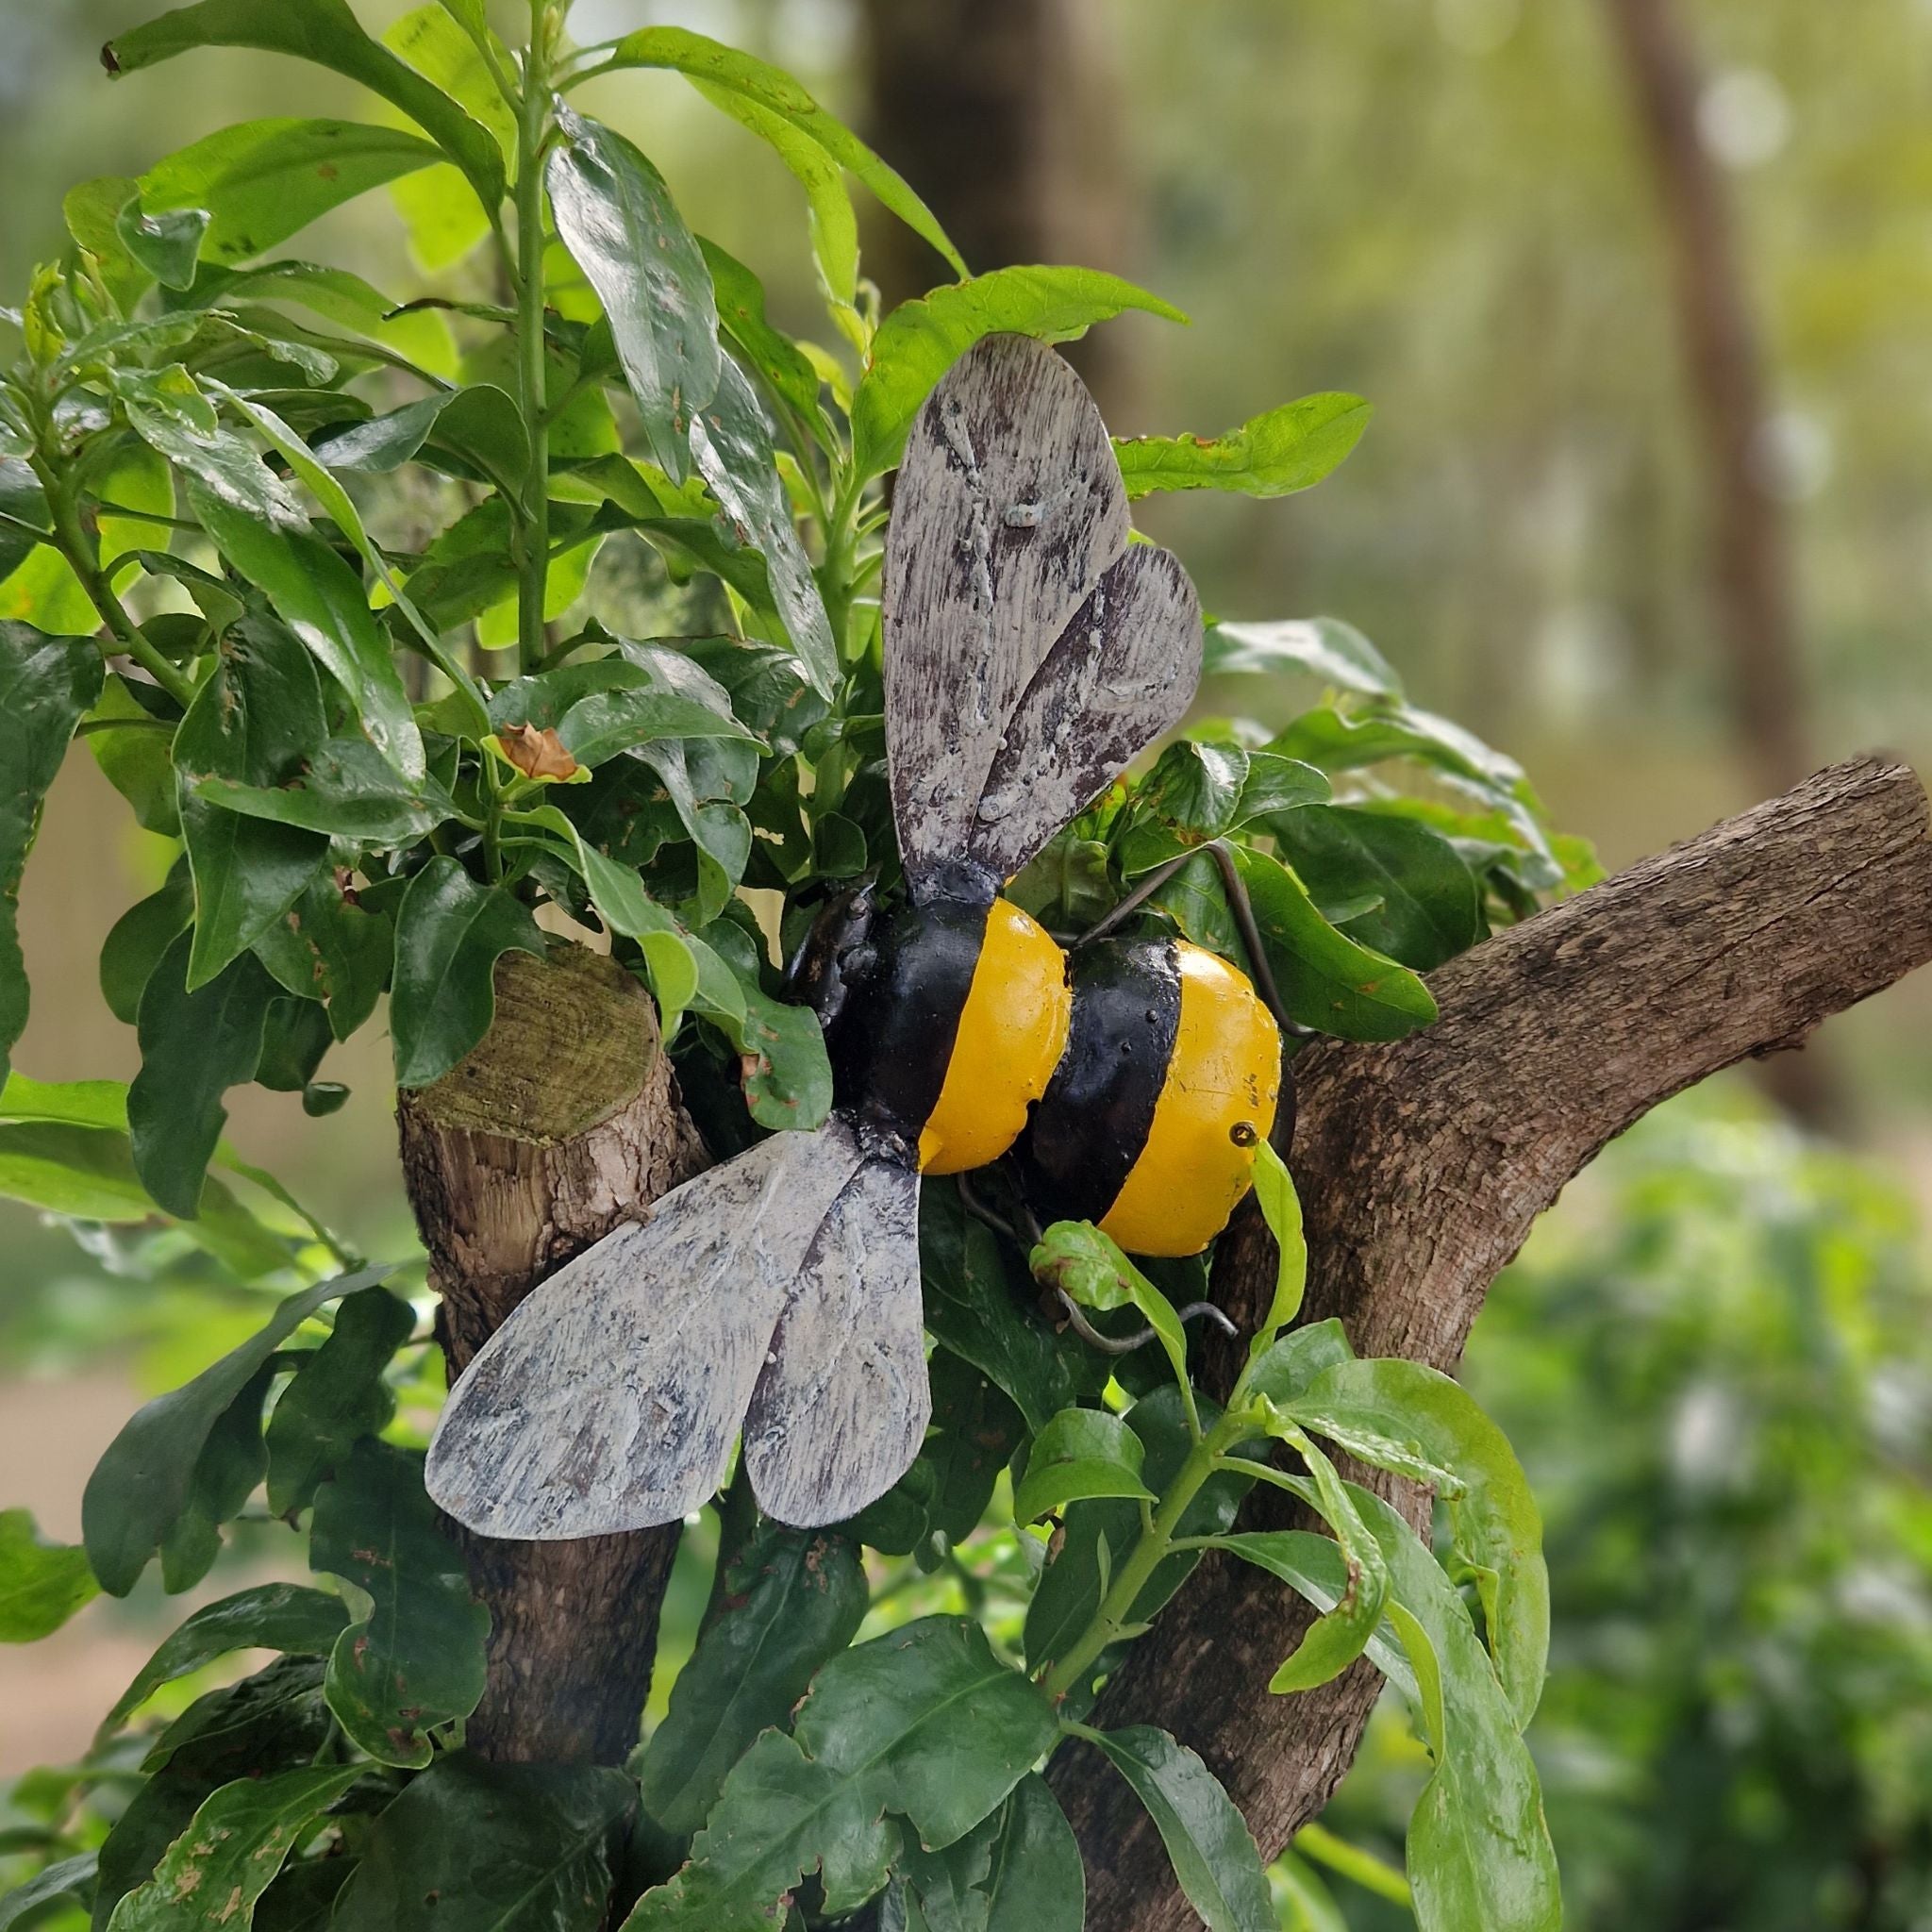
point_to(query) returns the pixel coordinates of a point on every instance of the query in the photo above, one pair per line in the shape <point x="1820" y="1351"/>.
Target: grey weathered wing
<point x="1008" y="510"/>
<point x="1123" y="672"/>
<point x="842" y="1404"/>
<point x="608" y="1401"/>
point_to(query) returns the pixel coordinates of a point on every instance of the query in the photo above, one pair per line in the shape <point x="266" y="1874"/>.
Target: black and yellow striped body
<point x="1134" y="1077"/>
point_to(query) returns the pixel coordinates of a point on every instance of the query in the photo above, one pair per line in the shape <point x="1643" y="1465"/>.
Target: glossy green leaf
<point x="1276" y="784"/>
<point x="981" y="1310"/>
<point x="880" y="1732"/>
<point x="1480" y="1850"/>
<point x="46" y="686"/>
<point x="1286" y="1367"/>
<point x="347" y="790"/>
<point x="510" y="1847"/>
<point x="1430" y="908"/>
<point x="42" y="1584"/>
<point x="616" y="217"/>
<point x="140" y="1487"/>
<point x="1323" y="647"/>
<point x="267" y="1616"/>
<point x="778" y="361"/>
<point x="1281" y="1209"/>
<point x="262" y="180"/>
<point x="136" y="758"/>
<point x="166" y="244"/>
<point x="72" y="1171"/>
<point x="787" y="1073"/>
<point x="1313" y="1565"/>
<point x="1497" y="1528"/>
<point x="318" y="596"/>
<point x="1192" y="794"/>
<point x="450" y="933"/>
<point x="605" y="722"/>
<point x="920" y="341"/>
<point x="773" y="106"/>
<point x="422" y="335"/>
<point x="1208" y="1840"/>
<point x="1286" y="449"/>
<point x="194" y="1045"/>
<point x="328" y="33"/>
<point x="478" y="432"/>
<point x="1087" y="1265"/>
<point x="1081" y="1452"/>
<point x="256" y="722"/>
<point x="328" y="947"/>
<point x="414" y="1659"/>
<point x="791" y="1600"/>
<point x="212" y="1874"/>
<point x="1034" y="1881"/>
<point x="338" y="1397"/>
<point x="731" y="445"/>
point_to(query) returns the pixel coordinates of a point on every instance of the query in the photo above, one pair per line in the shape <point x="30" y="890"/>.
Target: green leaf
<point x="166" y="244"/>
<point x="142" y="1486"/>
<point x="1326" y="979"/>
<point x="731" y="444"/>
<point x="1275" y="784"/>
<point x="414" y="1659"/>
<point x="326" y="32"/>
<point x="450" y="933"/>
<point x="47" y="684"/>
<point x="511" y="1847"/>
<point x="338" y="1397"/>
<point x="776" y="109"/>
<point x="1281" y="1209"/>
<point x="1075" y="1256"/>
<point x="255" y="721"/>
<point x="1289" y="1364"/>
<point x="605" y="723"/>
<point x="1208" y="1840"/>
<point x="320" y="598"/>
<point x="881" y="1731"/>
<point x="1495" y="1524"/>
<point x="347" y="790"/>
<point x="476" y="432"/>
<point x="327" y="947"/>
<point x="920" y="341"/>
<point x="42" y="1584"/>
<point x="792" y="1600"/>
<point x="66" y="1878"/>
<point x="1479" y="1851"/>
<point x="980" y="1310"/>
<point x="194" y="1045"/>
<point x="1035" y="1881"/>
<point x="977" y="1430"/>
<point x="72" y="1171"/>
<point x="1430" y="908"/>
<point x="212" y="1874"/>
<point x="1324" y="647"/>
<point x="136" y="760"/>
<point x="615" y="215"/>
<point x="777" y="359"/>
<point x="1081" y="1452"/>
<point x="262" y="180"/>
<point x="1313" y="1566"/>
<point x="269" y="1616"/>
<point x="1272" y="454"/>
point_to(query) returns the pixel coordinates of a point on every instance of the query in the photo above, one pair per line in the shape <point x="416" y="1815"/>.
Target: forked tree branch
<point x="1422" y="1165"/>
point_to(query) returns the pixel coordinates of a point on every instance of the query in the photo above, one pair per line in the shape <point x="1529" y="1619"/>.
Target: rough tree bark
<point x="565" y="1122"/>
<point x="1422" y="1165"/>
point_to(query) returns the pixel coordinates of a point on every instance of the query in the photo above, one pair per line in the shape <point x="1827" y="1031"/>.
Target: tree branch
<point x="1422" y="1165"/>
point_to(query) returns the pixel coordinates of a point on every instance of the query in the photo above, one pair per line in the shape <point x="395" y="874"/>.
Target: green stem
<point x="1317" y="1843"/>
<point x="838" y="574"/>
<point x="533" y="131"/>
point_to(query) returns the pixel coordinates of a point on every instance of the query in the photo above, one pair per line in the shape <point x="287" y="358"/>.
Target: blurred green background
<point x="1715" y="1357"/>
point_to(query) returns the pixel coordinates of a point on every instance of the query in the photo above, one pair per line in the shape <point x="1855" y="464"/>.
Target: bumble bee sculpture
<point x="1031" y="652"/>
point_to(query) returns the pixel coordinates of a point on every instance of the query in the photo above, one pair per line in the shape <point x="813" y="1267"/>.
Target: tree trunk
<point x="1421" y="1166"/>
<point x="1005" y="115"/>
<point x="565" y="1122"/>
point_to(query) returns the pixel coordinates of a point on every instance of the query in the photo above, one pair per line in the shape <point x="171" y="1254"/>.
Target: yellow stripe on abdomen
<point x="1012" y="1035"/>
<point x="1224" y="1079"/>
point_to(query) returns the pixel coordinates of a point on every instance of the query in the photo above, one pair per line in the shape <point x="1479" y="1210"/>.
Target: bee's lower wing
<point x="1122" y="673"/>
<point x="609" y="1399"/>
<point x="841" y="1407"/>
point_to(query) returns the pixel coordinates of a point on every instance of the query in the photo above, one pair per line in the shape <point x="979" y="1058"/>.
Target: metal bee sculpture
<point x="1031" y="652"/>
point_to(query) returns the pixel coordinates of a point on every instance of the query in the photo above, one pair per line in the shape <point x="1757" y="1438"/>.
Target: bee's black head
<point x="837" y="956"/>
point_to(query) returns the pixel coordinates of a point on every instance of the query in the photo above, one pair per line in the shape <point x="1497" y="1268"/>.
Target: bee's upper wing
<point x="609" y="1399"/>
<point x="1029" y="653"/>
<point x="842" y="1404"/>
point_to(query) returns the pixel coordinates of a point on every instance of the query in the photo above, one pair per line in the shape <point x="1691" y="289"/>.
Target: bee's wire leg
<point x="1126" y="1344"/>
<point x="1136" y="899"/>
<point x="969" y="1199"/>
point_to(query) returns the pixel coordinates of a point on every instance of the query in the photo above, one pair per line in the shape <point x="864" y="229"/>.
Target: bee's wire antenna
<point x="1126" y="1344"/>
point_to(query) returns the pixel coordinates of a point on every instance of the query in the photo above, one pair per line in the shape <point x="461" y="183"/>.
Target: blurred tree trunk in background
<point x="1004" y="115"/>
<point x="1753" y="597"/>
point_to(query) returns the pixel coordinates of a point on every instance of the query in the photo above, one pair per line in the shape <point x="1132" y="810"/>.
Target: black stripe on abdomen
<point x="1094" y="1120"/>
